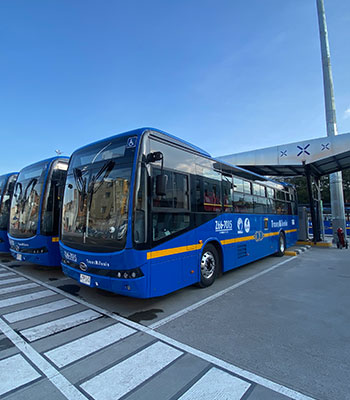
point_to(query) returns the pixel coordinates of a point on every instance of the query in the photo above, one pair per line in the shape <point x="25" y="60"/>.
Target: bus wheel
<point x="281" y="245"/>
<point x="209" y="266"/>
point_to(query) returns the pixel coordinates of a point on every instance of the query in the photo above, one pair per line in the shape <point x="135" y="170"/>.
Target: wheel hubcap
<point x="208" y="265"/>
<point x="281" y="244"/>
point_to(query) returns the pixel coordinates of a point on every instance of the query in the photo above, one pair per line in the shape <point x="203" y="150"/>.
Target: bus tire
<point x="209" y="266"/>
<point x="281" y="245"/>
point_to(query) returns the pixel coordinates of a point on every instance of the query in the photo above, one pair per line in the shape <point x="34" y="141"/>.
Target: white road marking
<point x="15" y="371"/>
<point x="27" y="297"/>
<point x="215" y="296"/>
<point x="58" y="325"/>
<point x="12" y="280"/>
<point x="17" y="288"/>
<point x="86" y="345"/>
<point x="38" y="310"/>
<point x="62" y="384"/>
<point x="3" y="274"/>
<point x="217" y="385"/>
<point x="204" y="356"/>
<point x="130" y="373"/>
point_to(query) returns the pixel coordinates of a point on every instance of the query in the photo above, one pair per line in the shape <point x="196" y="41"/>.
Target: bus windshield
<point x="96" y="198"/>
<point x="26" y="201"/>
<point x="5" y="198"/>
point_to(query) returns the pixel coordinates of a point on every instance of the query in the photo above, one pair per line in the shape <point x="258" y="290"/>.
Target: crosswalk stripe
<point x="58" y="325"/>
<point x="3" y="274"/>
<point x="86" y="345"/>
<point x="130" y="373"/>
<point x="15" y="371"/>
<point x="27" y="297"/>
<point x="17" y="288"/>
<point x="38" y="310"/>
<point x="68" y="390"/>
<point x="217" y="385"/>
<point x="12" y="280"/>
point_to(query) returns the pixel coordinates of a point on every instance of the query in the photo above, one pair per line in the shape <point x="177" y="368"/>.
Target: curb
<point x="298" y="251"/>
<point x="317" y="244"/>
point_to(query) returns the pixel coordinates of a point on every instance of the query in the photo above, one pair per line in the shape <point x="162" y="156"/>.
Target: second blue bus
<point x="7" y="183"/>
<point x="35" y="212"/>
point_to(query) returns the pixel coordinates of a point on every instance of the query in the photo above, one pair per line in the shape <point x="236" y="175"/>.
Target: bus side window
<point x="271" y="207"/>
<point x="248" y="203"/>
<point x="212" y="195"/>
<point x="227" y="193"/>
<point x="238" y="202"/>
<point x="177" y="193"/>
<point x="260" y="205"/>
<point x="207" y="198"/>
<point x="167" y="224"/>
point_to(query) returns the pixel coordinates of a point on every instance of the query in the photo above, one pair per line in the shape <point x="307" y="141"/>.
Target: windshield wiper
<point x="81" y="185"/>
<point x="18" y="185"/>
<point x="106" y="170"/>
<point x="23" y="200"/>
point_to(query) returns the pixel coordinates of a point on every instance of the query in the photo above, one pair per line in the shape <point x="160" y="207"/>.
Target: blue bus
<point x="35" y="212"/>
<point x="7" y="183"/>
<point x="327" y="220"/>
<point x="145" y="213"/>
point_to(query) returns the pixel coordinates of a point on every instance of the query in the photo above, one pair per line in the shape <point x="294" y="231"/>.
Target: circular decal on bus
<point x="240" y="225"/>
<point x="247" y="225"/>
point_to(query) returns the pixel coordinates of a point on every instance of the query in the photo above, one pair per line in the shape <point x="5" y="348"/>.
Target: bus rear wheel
<point x="281" y="245"/>
<point x="209" y="266"/>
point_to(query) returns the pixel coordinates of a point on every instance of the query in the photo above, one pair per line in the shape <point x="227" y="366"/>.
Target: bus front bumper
<point x="126" y="287"/>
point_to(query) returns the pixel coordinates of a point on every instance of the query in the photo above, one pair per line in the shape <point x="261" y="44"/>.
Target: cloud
<point x="347" y="113"/>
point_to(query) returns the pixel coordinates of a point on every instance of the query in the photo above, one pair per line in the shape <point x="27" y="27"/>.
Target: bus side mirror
<point x="161" y="181"/>
<point x="155" y="156"/>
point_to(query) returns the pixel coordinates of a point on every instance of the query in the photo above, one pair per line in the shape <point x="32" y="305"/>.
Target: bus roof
<point x="47" y="160"/>
<point x="249" y="174"/>
<point x="8" y="174"/>
<point x="140" y="131"/>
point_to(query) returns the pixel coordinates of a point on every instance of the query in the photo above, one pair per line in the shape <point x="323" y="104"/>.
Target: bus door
<point x="171" y="234"/>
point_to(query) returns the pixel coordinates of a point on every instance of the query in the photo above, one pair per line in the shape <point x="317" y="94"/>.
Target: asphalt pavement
<point x="274" y="329"/>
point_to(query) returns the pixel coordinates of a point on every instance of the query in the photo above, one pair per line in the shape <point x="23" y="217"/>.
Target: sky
<point x="226" y="75"/>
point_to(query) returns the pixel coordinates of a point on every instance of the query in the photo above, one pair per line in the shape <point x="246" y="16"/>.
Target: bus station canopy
<point x="322" y="156"/>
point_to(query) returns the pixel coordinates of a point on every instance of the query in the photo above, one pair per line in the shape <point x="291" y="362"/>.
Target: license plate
<point x="19" y="257"/>
<point x="86" y="279"/>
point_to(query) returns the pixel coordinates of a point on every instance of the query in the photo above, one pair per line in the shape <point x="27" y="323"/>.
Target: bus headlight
<point x="129" y="274"/>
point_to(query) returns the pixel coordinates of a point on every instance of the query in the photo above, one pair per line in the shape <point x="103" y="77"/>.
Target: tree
<point x="300" y="184"/>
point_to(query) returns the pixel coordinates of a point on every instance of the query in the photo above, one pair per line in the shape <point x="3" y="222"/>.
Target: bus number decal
<point x="70" y="256"/>
<point x="223" y="226"/>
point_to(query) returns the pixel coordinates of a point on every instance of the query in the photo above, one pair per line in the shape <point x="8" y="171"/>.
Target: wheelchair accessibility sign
<point x="131" y="142"/>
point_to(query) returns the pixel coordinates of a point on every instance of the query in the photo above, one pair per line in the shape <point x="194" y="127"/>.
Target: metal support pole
<point x="335" y="180"/>
<point x="315" y="227"/>
<point x="319" y="211"/>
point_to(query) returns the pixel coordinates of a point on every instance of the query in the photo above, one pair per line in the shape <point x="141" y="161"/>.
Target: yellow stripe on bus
<point x="237" y="240"/>
<point x="271" y="234"/>
<point x="291" y="230"/>
<point x="174" y="250"/>
<point x="184" y="249"/>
